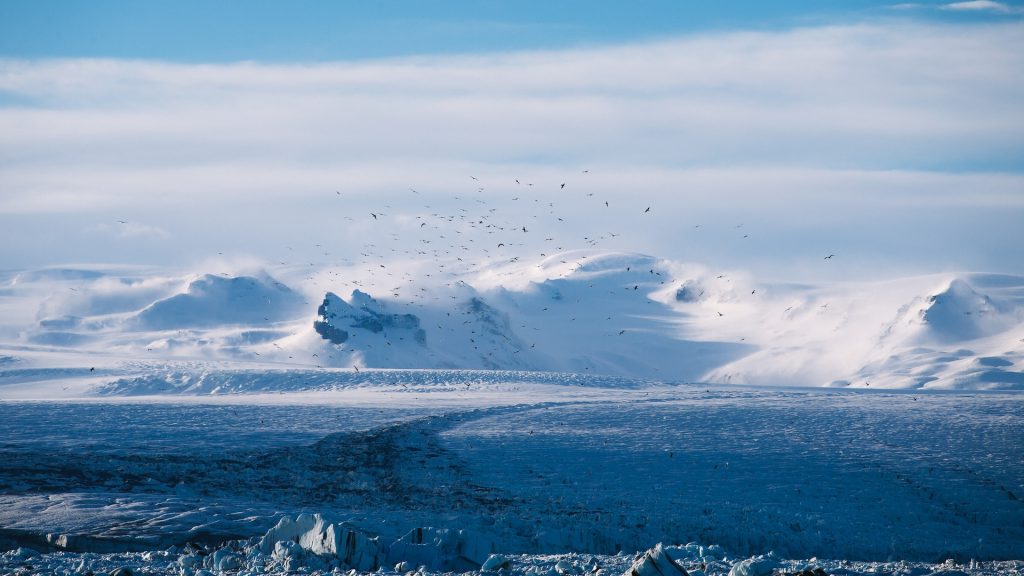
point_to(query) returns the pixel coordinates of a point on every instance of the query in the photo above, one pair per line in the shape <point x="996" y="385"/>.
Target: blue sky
<point x="161" y="133"/>
<point x="320" y="30"/>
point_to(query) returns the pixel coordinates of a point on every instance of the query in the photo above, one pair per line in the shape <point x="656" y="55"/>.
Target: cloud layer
<point x="857" y="118"/>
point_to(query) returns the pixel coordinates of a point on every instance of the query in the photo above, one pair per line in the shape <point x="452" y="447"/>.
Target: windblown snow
<point x="582" y="312"/>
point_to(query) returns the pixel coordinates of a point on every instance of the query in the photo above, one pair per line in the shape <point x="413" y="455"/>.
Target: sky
<point x="762" y="135"/>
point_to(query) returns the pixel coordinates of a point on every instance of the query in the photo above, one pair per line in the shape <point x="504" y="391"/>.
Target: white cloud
<point x="982" y="5"/>
<point x="851" y="121"/>
<point x="860" y="96"/>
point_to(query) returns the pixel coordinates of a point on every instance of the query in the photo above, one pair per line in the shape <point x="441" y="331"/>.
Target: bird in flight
<point x="563" y="184"/>
<point x="374" y="215"/>
<point x="829" y="257"/>
<point x="648" y="210"/>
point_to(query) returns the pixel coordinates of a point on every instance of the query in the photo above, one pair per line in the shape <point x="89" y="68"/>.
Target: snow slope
<point x="583" y="311"/>
<point x="214" y="301"/>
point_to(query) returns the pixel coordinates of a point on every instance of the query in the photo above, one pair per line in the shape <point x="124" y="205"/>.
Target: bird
<point x="621" y="332"/>
<point x="374" y="215"/>
<point x="93" y="369"/>
<point x="648" y="210"/>
<point x="829" y="257"/>
<point x="563" y="184"/>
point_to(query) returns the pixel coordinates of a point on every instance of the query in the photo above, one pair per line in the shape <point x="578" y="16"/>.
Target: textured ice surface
<point x="859" y="475"/>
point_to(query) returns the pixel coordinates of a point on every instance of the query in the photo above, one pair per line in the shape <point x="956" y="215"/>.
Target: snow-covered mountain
<point x="581" y="311"/>
<point x="211" y="300"/>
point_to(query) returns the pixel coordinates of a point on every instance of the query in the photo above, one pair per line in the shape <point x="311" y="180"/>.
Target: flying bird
<point x="648" y="210"/>
<point x="374" y="215"/>
<point x="829" y="257"/>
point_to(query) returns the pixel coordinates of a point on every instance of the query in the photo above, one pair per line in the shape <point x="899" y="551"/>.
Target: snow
<point x="548" y="417"/>
<point x="656" y="562"/>
<point x="443" y="478"/>
<point x="243" y="557"/>
<point x="316" y="536"/>
<point x="581" y="311"/>
<point x="212" y="300"/>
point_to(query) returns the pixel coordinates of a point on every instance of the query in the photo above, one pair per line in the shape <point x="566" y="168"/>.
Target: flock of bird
<point x="457" y="236"/>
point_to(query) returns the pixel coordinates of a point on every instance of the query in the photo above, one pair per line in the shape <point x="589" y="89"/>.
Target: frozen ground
<point x="520" y="463"/>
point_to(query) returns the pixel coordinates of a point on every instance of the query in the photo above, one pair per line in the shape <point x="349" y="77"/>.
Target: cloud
<point x="967" y="6"/>
<point x="884" y="97"/>
<point x="852" y="124"/>
<point x="982" y="6"/>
